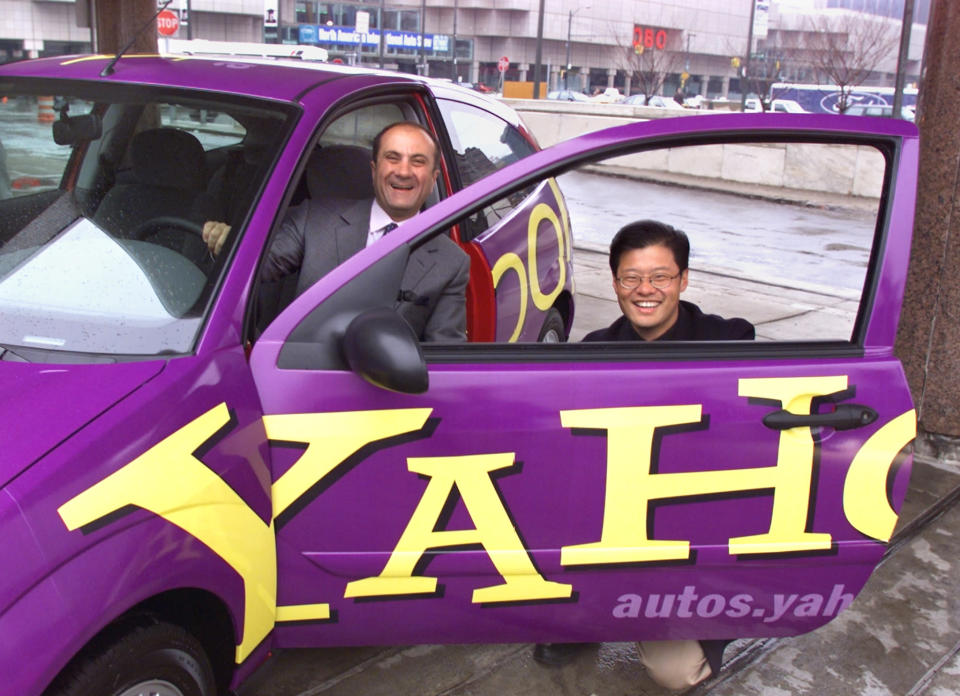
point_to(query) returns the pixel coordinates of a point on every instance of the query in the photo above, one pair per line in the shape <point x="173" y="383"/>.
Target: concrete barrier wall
<point x="843" y="170"/>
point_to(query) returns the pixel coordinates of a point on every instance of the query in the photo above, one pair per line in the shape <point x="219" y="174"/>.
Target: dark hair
<point x="411" y="124"/>
<point x="644" y="233"/>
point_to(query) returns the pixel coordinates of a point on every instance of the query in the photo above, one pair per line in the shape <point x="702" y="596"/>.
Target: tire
<point x="155" y="660"/>
<point x="553" y="329"/>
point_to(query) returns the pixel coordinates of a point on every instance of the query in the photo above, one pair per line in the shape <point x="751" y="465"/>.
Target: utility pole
<point x="537" y="66"/>
<point x="456" y="11"/>
<point x="383" y="31"/>
<point x="745" y="68"/>
<point x="423" y="37"/>
<point x="905" y="28"/>
<point x="118" y="22"/>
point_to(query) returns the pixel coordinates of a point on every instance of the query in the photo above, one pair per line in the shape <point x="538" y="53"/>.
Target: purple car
<point x="200" y="467"/>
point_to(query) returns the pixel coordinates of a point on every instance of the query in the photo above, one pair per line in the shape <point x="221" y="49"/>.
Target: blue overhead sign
<point x="322" y="34"/>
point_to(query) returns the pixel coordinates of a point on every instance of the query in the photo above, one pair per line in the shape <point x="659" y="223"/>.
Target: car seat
<point x="333" y="172"/>
<point x="168" y="172"/>
<point x="339" y="172"/>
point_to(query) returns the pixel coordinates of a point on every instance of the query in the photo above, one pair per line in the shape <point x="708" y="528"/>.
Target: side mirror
<point x="380" y="346"/>
<point x="74" y="129"/>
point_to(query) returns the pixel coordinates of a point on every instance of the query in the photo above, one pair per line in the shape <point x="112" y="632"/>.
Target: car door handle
<point x="846" y="417"/>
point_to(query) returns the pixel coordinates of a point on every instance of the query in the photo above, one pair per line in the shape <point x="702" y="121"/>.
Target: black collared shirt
<point x="691" y="325"/>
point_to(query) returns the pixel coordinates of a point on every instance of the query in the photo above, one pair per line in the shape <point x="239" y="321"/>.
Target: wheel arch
<point x="199" y="612"/>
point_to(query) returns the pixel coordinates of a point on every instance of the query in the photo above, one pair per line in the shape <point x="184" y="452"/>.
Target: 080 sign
<point x="649" y="37"/>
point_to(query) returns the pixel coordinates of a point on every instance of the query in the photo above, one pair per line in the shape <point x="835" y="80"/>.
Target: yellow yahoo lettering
<point x="792" y="477"/>
<point x="529" y="275"/>
<point x="330" y="438"/>
<point x="630" y="485"/>
<point x="170" y="482"/>
<point x="494" y="531"/>
<point x="865" y="490"/>
<point x="512" y="262"/>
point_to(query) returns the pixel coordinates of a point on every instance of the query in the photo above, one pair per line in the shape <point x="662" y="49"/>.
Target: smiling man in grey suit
<point x="316" y="236"/>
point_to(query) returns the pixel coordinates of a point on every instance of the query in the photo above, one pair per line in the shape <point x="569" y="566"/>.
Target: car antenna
<point x="107" y="71"/>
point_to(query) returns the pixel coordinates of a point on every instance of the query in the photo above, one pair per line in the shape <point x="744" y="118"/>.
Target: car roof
<point x="284" y="80"/>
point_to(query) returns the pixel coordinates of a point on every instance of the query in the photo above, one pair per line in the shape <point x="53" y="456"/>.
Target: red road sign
<point x="503" y="64"/>
<point x="167" y="23"/>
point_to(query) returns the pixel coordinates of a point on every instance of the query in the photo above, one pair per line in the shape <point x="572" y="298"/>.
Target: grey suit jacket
<point x="315" y="238"/>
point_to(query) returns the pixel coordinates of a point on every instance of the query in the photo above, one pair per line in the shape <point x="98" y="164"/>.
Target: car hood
<point x="42" y="405"/>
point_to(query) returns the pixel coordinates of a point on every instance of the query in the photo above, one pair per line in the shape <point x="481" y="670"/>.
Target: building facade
<point x="650" y="46"/>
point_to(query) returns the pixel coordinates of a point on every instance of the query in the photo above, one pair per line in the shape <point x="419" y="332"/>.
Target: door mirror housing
<point x="380" y="346"/>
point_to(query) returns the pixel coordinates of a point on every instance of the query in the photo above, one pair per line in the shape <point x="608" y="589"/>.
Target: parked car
<point x="190" y="482"/>
<point x="609" y="95"/>
<point x="786" y="106"/>
<point x="655" y="101"/>
<point x="567" y="95"/>
<point x="879" y="110"/>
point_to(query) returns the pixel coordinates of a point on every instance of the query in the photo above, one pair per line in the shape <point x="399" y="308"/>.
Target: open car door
<point x="610" y="491"/>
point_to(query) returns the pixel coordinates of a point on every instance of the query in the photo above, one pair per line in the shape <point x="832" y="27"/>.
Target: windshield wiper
<point x="10" y="355"/>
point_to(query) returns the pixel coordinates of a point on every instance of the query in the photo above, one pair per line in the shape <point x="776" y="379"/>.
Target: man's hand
<point x="215" y="234"/>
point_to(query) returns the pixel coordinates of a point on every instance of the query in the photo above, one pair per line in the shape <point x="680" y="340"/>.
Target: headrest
<point x="340" y="172"/>
<point x="169" y="157"/>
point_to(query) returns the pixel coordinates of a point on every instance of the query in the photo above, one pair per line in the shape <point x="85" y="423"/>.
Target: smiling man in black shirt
<point x="649" y="263"/>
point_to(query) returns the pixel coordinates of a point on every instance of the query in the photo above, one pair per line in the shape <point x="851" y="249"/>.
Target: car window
<point x="482" y="144"/>
<point x="100" y="233"/>
<point x="773" y="240"/>
<point x="214" y="129"/>
<point x="775" y="245"/>
<point x="359" y="126"/>
<point x="336" y="176"/>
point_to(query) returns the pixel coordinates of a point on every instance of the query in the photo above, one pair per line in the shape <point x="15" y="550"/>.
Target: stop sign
<point x="503" y="64"/>
<point x="167" y="23"/>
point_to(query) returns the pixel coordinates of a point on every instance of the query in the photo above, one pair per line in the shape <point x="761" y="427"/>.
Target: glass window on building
<point x="409" y="20"/>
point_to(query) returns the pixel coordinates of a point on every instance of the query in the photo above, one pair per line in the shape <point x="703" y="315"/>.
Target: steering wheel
<point x="178" y="234"/>
<point x="148" y="228"/>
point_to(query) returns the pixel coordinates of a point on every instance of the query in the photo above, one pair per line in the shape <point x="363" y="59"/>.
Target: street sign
<point x="167" y="23"/>
<point x="363" y="22"/>
<point x="503" y="64"/>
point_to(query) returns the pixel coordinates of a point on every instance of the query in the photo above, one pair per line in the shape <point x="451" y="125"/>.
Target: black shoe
<point x="556" y="654"/>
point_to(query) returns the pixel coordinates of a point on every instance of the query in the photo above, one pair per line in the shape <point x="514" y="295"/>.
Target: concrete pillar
<point x="117" y="22"/>
<point x="928" y="340"/>
<point x="555" y="82"/>
<point x="627" y="84"/>
<point x="704" y="84"/>
<point x="611" y="76"/>
<point x="725" y="89"/>
<point x="524" y="69"/>
<point x="475" y="72"/>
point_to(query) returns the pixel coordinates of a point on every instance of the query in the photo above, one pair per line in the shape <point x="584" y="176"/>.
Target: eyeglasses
<point x="661" y="281"/>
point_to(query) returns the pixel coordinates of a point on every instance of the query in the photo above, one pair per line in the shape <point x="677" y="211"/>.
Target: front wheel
<point x="553" y="329"/>
<point x="155" y="660"/>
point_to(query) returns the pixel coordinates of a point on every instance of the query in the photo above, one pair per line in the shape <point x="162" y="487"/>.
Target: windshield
<point x="104" y="190"/>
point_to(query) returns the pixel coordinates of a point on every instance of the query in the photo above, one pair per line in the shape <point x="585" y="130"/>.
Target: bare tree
<point x="763" y="70"/>
<point x="647" y="62"/>
<point x="765" y="67"/>
<point x="844" y="49"/>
